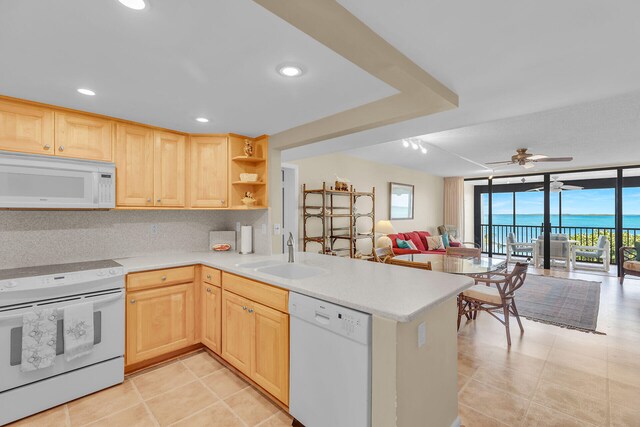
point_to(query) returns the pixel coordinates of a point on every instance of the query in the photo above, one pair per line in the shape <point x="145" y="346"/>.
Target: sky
<point x="576" y="202"/>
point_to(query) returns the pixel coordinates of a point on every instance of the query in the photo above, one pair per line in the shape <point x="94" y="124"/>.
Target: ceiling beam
<point x="334" y="26"/>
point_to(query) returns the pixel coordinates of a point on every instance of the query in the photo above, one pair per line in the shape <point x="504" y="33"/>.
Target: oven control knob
<point x="112" y="272"/>
<point x="11" y="284"/>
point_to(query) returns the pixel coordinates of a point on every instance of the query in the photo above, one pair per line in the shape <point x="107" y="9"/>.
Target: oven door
<point x="108" y="320"/>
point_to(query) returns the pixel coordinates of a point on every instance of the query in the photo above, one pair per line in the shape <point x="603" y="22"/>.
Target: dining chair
<point x="383" y="254"/>
<point x="412" y="264"/>
<point x="500" y="297"/>
<point x="560" y="250"/>
<point x="464" y="252"/>
<point x="630" y="264"/>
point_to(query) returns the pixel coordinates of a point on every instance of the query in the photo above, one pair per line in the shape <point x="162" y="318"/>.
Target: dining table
<point x="456" y="264"/>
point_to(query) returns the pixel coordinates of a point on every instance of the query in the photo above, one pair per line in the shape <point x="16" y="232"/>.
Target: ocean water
<point x="586" y="221"/>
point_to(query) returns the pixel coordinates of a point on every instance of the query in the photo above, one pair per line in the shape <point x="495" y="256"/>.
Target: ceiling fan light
<point x="528" y="165"/>
<point x="414" y="145"/>
<point x="424" y="150"/>
<point x="405" y="143"/>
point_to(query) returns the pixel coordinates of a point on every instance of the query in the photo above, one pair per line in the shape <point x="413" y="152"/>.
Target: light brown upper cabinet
<point x="134" y="166"/>
<point x="83" y="137"/>
<point x="169" y="164"/>
<point x="26" y="128"/>
<point x="209" y="172"/>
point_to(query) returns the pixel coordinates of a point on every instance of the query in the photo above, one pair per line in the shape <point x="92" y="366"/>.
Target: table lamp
<point x="384" y="227"/>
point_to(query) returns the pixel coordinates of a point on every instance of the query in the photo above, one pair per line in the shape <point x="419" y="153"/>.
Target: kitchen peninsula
<point x="412" y="384"/>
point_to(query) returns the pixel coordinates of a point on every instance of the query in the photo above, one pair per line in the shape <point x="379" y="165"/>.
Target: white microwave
<point x="43" y="182"/>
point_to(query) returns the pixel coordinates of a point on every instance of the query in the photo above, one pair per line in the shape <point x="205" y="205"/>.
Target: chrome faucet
<point x="292" y="257"/>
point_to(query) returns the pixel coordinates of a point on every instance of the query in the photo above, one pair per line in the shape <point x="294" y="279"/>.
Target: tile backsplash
<point x="29" y="238"/>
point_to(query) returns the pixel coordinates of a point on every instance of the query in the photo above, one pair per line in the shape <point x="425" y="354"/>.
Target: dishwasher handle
<point x="322" y="318"/>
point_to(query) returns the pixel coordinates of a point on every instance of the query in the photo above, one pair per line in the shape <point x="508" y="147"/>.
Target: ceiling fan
<point x="528" y="160"/>
<point x="558" y="186"/>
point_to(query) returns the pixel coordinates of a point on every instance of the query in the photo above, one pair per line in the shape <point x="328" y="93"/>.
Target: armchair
<point x="599" y="252"/>
<point x="630" y="263"/>
<point x="560" y="250"/>
<point x="517" y="248"/>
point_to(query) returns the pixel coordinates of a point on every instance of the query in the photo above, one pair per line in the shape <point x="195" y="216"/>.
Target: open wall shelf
<point x="257" y="164"/>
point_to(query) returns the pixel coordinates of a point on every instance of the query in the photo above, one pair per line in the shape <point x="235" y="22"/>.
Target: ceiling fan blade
<point x="537" y="157"/>
<point x="571" y="187"/>
<point x="555" y="159"/>
<point x="528" y="165"/>
<point x="505" y="162"/>
<point x="535" y="189"/>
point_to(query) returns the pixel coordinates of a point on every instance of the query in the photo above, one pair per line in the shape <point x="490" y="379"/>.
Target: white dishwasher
<point x="330" y="364"/>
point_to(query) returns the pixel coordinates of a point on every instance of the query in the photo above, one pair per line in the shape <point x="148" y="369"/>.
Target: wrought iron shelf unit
<point x="337" y="219"/>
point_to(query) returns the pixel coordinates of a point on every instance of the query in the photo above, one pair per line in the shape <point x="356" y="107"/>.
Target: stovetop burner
<point x="43" y="270"/>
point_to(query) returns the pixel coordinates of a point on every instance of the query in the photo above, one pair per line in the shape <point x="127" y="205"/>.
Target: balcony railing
<point x="586" y="236"/>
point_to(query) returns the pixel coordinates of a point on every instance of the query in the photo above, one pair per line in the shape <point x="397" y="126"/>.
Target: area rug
<point x="568" y="303"/>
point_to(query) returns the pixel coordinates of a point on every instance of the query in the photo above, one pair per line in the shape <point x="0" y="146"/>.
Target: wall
<point x="363" y="174"/>
<point x="29" y="238"/>
<point x="422" y="389"/>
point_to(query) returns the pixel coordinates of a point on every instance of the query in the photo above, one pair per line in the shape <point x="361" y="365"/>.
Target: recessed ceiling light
<point x="87" y="92"/>
<point x="202" y="120"/>
<point x="134" y="4"/>
<point x="290" y="70"/>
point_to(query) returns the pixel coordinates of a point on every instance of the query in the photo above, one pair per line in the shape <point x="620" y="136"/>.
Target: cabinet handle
<point x="244" y="307"/>
<point x="209" y="276"/>
<point x="132" y="301"/>
<point x="148" y="200"/>
<point x="163" y="278"/>
<point x="158" y="200"/>
<point x="208" y="289"/>
<point x="46" y="147"/>
<point x="250" y="310"/>
<point x="222" y="202"/>
<point x="61" y="148"/>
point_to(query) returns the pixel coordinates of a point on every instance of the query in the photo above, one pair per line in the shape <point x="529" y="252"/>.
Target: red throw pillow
<point x="423" y="237"/>
<point x="415" y="238"/>
<point x="455" y="244"/>
<point x="393" y="237"/>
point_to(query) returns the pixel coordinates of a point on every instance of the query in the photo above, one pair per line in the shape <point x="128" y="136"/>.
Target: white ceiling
<point x="174" y="62"/>
<point x="504" y="60"/>
<point x="598" y="133"/>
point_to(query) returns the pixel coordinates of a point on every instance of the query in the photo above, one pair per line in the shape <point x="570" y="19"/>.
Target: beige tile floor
<point x="191" y="391"/>
<point x="549" y="377"/>
<point x="553" y="376"/>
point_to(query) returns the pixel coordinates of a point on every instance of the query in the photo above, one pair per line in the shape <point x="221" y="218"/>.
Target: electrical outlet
<point x="155" y="228"/>
<point x="422" y="334"/>
<point x="276" y="229"/>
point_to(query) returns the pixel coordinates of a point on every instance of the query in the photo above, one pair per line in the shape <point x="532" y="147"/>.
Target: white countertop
<point x="389" y="291"/>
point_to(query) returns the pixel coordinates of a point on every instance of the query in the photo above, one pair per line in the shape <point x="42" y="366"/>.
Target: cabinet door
<point x="210" y="312"/>
<point x="209" y="178"/>
<point x="134" y="166"/>
<point x="270" y="351"/>
<point x="169" y="165"/>
<point x="236" y="331"/>
<point x="83" y="137"/>
<point x="26" y="128"/>
<point x="159" y="321"/>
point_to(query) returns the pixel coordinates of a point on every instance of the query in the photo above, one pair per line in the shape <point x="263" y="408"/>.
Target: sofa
<point x="419" y="238"/>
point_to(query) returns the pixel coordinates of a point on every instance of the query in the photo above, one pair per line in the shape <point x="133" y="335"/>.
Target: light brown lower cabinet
<point x="210" y="312"/>
<point x="255" y="340"/>
<point x="159" y="321"/>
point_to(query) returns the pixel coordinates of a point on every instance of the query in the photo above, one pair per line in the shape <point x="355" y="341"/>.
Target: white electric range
<point x="57" y="286"/>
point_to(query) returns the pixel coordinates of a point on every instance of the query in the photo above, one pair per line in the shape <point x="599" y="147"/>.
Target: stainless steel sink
<point x="292" y="271"/>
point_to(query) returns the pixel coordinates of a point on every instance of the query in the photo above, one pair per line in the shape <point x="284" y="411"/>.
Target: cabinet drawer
<point x="211" y="275"/>
<point x="259" y="292"/>
<point x="152" y="279"/>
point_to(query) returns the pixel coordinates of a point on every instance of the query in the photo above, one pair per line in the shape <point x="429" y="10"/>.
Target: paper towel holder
<point x="246" y="240"/>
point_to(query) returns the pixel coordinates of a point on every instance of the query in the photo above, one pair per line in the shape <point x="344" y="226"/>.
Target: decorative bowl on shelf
<point x="248" y="177"/>
<point x="248" y="201"/>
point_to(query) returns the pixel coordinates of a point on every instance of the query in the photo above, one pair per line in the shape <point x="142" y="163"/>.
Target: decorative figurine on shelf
<point x="248" y="148"/>
<point x="248" y="199"/>
<point x="342" y="184"/>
